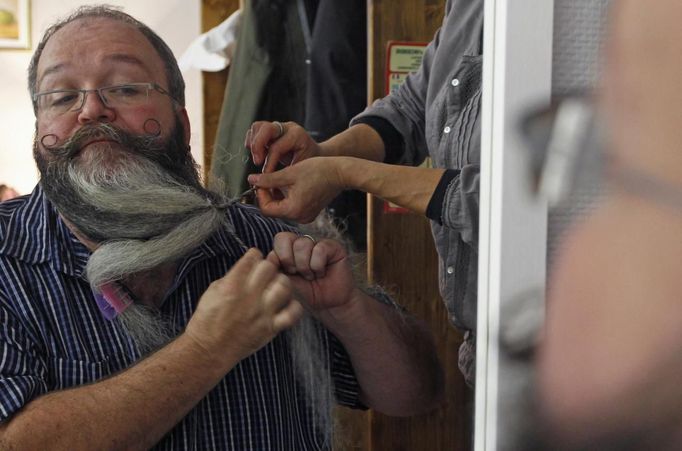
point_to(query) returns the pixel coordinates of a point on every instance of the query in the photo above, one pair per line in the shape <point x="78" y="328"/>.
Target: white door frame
<point x="517" y="61"/>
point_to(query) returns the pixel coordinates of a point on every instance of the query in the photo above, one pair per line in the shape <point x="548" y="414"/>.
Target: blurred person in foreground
<point x="611" y="360"/>
<point x="139" y="309"/>
<point x="7" y="192"/>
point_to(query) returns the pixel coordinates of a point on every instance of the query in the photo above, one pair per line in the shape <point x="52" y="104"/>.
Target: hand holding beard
<point x="243" y="311"/>
<point x="320" y="271"/>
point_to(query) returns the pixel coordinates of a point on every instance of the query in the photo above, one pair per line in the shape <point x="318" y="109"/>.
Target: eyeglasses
<point x="60" y="101"/>
<point x="565" y="144"/>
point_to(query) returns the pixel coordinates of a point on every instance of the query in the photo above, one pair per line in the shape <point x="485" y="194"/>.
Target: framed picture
<point x="14" y="24"/>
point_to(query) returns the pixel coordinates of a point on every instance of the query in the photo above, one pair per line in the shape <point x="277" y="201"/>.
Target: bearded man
<point x="107" y="341"/>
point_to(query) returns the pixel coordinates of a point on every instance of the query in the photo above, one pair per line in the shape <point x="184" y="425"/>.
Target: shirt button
<point x="450" y="270"/>
<point x="447" y="129"/>
<point x="455" y="82"/>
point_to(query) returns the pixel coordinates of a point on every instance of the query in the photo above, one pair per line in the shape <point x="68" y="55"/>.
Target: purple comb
<point x="112" y="299"/>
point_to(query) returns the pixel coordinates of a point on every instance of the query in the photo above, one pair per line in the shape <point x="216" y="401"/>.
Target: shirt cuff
<point x="434" y="211"/>
<point x="394" y="144"/>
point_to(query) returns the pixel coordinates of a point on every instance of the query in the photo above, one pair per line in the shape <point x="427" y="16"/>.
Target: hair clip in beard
<point x="112" y="299"/>
<point x="49" y="141"/>
<point x="152" y="127"/>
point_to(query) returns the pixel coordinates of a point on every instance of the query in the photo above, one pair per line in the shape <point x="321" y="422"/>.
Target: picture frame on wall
<point x="15" y="23"/>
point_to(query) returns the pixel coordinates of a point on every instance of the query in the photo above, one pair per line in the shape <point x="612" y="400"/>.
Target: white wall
<point x="178" y="22"/>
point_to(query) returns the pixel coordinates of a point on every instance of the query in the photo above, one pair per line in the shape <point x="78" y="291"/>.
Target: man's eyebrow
<point x="50" y="70"/>
<point x="124" y="58"/>
<point x="116" y="57"/>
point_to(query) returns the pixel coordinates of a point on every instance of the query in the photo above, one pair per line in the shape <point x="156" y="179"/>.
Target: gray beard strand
<point x="314" y="374"/>
<point x="148" y="329"/>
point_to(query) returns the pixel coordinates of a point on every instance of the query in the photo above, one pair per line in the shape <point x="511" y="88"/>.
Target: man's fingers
<point x="277" y="294"/>
<point x="243" y="266"/>
<point x="282" y="246"/>
<point x="319" y="259"/>
<point x="274" y="259"/>
<point x="260" y="276"/>
<point x="288" y="316"/>
<point x="303" y="250"/>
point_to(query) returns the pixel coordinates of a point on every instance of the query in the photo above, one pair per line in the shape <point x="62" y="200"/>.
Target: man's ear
<point x="184" y="122"/>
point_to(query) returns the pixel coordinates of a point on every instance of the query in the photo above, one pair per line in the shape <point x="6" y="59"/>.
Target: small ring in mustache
<point x="54" y="138"/>
<point x="152" y="127"/>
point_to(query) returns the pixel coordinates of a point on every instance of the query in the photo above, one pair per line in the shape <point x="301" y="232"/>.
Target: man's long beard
<point x="145" y="207"/>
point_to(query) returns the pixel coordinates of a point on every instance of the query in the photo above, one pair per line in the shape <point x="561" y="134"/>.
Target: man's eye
<point x="64" y="98"/>
<point x="125" y="91"/>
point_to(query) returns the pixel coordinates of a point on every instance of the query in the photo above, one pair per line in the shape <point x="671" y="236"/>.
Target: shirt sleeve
<point x="394" y="145"/>
<point x="22" y="371"/>
<point x="460" y="204"/>
<point x="434" y="211"/>
<point x="405" y="108"/>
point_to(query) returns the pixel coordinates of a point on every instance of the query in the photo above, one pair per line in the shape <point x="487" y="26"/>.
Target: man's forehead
<point x="641" y="22"/>
<point x="101" y="36"/>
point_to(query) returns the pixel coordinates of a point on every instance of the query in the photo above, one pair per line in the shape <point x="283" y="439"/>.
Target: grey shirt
<point x="437" y="113"/>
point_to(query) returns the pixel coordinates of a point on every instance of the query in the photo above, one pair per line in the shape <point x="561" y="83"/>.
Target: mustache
<point x="149" y="141"/>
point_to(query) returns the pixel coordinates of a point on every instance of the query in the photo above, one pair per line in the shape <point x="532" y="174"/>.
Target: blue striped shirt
<point x="53" y="336"/>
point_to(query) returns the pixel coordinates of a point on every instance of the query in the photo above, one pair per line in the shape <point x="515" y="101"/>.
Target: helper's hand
<point x="301" y="191"/>
<point x="273" y="143"/>
<point x="320" y="271"/>
<point x="242" y="311"/>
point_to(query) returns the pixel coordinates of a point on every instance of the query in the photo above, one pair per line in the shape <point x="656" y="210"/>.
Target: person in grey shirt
<point x="435" y="113"/>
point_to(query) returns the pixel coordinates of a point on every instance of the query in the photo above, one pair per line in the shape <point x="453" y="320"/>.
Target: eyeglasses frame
<point x="85" y="92"/>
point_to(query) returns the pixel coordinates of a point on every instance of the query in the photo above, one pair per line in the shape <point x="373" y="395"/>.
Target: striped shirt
<point x="53" y="335"/>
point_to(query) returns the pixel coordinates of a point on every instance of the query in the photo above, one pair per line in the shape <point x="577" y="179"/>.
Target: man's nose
<point x="95" y="110"/>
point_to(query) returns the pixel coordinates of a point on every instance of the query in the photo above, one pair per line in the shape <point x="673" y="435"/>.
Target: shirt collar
<point x="36" y="234"/>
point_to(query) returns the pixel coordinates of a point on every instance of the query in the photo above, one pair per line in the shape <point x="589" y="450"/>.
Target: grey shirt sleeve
<point x="405" y="109"/>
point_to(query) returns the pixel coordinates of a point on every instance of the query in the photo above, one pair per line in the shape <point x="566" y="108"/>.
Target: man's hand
<point x="301" y="191"/>
<point x="241" y="312"/>
<point x="273" y="143"/>
<point x="319" y="271"/>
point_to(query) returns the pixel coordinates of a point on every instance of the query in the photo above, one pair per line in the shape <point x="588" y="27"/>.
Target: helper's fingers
<point x="261" y="135"/>
<point x="279" y="179"/>
<point x="281" y="151"/>
<point x="272" y="203"/>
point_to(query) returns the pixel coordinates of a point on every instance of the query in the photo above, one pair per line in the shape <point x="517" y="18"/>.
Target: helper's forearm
<point x="360" y="141"/>
<point x="407" y="186"/>
<point x="131" y="410"/>
<point x="393" y="356"/>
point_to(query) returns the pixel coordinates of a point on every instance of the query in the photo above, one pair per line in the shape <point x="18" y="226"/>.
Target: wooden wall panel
<point x="402" y="256"/>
